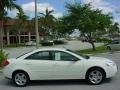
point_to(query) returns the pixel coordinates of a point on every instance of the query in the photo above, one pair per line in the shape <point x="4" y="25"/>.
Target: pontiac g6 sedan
<point x="57" y="64"/>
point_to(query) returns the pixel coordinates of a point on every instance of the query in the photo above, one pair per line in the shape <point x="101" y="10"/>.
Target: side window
<point x="43" y="55"/>
<point x="63" y="56"/>
<point x="115" y="42"/>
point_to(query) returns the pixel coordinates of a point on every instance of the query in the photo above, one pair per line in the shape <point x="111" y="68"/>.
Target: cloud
<point x="103" y="5"/>
<point x="41" y="7"/>
<point x="58" y="14"/>
<point x="29" y="8"/>
<point x="12" y="13"/>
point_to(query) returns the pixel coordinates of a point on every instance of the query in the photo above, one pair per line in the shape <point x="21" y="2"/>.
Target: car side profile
<point x="57" y="64"/>
<point x="114" y="45"/>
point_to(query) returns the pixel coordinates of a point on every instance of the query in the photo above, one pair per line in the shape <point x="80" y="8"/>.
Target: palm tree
<point x="47" y="13"/>
<point x="5" y="5"/>
<point x="46" y="22"/>
<point x="20" y="24"/>
<point x="22" y="19"/>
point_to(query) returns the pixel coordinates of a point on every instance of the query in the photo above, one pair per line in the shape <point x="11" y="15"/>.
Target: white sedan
<point x="56" y="64"/>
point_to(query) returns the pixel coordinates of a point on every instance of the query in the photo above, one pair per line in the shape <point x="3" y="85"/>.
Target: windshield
<point x="82" y="55"/>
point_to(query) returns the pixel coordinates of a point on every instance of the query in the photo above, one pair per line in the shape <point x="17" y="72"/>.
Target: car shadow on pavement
<point x="9" y="83"/>
<point x="58" y="82"/>
<point x="63" y="82"/>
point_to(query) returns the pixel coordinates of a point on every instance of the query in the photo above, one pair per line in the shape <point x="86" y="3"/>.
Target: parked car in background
<point x="114" y="45"/>
<point x="47" y="43"/>
<point x="30" y="43"/>
<point x="60" y="41"/>
<point x="57" y="64"/>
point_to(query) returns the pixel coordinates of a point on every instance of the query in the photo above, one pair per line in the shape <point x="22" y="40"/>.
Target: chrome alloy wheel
<point x="95" y="77"/>
<point x="20" y="79"/>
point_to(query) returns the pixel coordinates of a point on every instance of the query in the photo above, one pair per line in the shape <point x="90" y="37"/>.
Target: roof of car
<point x="40" y="49"/>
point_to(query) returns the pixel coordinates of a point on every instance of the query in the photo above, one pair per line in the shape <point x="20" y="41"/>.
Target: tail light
<point x="5" y="63"/>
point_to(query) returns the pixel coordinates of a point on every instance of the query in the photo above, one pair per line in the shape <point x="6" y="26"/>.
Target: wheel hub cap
<point x="20" y="79"/>
<point x="95" y="77"/>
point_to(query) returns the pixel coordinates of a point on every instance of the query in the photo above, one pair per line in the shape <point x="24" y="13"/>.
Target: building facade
<point x="14" y="33"/>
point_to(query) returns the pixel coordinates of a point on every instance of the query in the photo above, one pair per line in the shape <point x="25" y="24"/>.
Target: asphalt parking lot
<point x="108" y="84"/>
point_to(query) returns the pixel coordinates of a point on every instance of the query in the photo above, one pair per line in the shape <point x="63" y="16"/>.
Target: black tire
<point x="99" y="80"/>
<point x="108" y="48"/>
<point x="17" y="82"/>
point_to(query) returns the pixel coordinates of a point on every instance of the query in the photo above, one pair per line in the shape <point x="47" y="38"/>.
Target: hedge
<point x="3" y="56"/>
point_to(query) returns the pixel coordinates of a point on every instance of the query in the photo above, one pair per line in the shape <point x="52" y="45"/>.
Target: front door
<point x="66" y="66"/>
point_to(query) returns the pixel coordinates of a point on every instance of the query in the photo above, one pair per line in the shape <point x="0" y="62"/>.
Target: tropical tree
<point x="5" y="5"/>
<point x="114" y="29"/>
<point x="46" y="22"/>
<point x="87" y="20"/>
<point x="62" y="27"/>
<point x="21" y="25"/>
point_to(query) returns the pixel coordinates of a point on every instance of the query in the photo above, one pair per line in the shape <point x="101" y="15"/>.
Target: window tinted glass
<point x="116" y="42"/>
<point x="45" y="55"/>
<point x="63" y="56"/>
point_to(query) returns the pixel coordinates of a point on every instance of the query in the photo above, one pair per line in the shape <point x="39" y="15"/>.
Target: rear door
<point x="39" y="65"/>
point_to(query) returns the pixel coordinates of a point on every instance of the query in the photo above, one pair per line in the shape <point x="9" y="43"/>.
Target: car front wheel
<point x="95" y="76"/>
<point x="20" y="79"/>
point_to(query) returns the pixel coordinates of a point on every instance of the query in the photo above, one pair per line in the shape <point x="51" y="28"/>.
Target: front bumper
<point x="111" y="71"/>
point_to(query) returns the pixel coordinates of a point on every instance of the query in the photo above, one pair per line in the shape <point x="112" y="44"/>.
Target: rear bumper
<point x="7" y="73"/>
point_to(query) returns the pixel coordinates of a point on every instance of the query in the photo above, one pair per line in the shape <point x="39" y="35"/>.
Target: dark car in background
<point x="47" y="43"/>
<point x="60" y="41"/>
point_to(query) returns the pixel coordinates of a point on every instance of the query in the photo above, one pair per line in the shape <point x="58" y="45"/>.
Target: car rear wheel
<point x="95" y="76"/>
<point x="20" y="79"/>
<point x="108" y="48"/>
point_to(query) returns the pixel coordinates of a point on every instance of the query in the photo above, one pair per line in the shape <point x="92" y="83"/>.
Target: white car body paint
<point x="50" y="69"/>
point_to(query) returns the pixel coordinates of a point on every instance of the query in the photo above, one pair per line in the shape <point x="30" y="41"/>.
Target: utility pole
<point x="1" y="36"/>
<point x="36" y="26"/>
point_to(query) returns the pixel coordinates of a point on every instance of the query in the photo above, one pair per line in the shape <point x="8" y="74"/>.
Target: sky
<point x="107" y="6"/>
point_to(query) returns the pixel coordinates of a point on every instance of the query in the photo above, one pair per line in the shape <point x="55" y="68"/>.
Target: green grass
<point x="100" y="49"/>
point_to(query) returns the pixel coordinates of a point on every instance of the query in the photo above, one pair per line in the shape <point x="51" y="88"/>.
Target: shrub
<point x="58" y="42"/>
<point x="3" y="56"/>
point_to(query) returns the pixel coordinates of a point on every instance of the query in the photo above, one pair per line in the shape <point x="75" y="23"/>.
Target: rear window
<point x="23" y="54"/>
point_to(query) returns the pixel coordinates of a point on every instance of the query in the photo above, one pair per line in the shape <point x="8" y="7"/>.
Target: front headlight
<point x="109" y="63"/>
